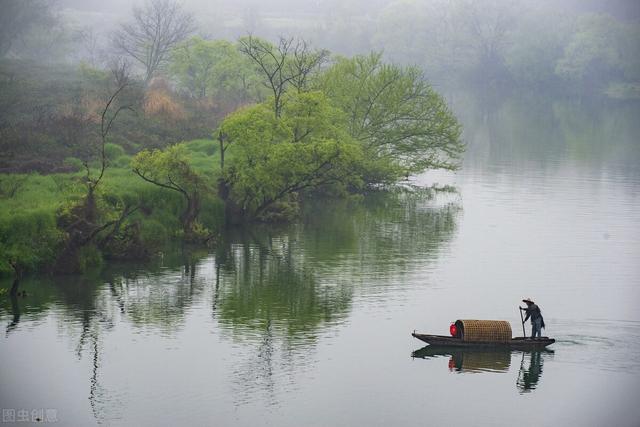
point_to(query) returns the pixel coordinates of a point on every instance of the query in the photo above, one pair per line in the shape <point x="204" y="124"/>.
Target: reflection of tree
<point x="258" y="371"/>
<point x="15" y="310"/>
<point x="86" y="314"/>
<point x="32" y="306"/>
<point x="536" y="130"/>
<point x="277" y="288"/>
<point x="274" y="288"/>
<point x="87" y="310"/>
<point x="265" y="280"/>
<point x="304" y="276"/>
<point x="266" y="296"/>
<point x="597" y="134"/>
<point x="90" y="308"/>
<point x="386" y="236"/>
<point x="158" y="296"/>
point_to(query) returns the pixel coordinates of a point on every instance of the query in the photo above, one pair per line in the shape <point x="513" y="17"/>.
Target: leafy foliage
<point x="599" y="49"/>
<point x="27" y="241"/>
<point x="33" y="219"/>
<point x="394" y="113"/>
<point x="214" y="68"/>
<point x="170" y="169"/>
<point x="274" y="159"/>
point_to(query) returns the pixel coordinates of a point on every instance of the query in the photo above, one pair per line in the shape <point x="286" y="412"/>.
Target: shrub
<point x="89" y="257"/>
<point x="153" y="234"/>
<point x="74" y="163"/>
<point x="113" y="151"/>
<point x="28" y="240"/>
<point x="205" y="146"/>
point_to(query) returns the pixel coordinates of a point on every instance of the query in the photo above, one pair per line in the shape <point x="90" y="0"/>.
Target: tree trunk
<point x="90" y="208"/>
<point x="222" y="138"/>
<point x="190" y="215"/>
<point x="233" y="214"/>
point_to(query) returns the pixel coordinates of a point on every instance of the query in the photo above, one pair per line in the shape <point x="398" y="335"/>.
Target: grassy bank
<point x="32" y="205"/>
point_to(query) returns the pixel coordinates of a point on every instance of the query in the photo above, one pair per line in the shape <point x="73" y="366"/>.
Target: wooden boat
<point x="485" y="334"/>
<point x="517" y="343"/>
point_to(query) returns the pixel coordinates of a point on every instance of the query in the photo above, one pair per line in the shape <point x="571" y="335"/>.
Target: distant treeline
<point x="514" y="44"/>
<point x="571" y="47"/>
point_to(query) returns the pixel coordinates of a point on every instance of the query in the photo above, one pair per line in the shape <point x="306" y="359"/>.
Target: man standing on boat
<point x="537" y="321"/>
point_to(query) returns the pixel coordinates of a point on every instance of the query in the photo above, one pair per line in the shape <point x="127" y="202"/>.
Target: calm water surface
<point x="310" y="324"/>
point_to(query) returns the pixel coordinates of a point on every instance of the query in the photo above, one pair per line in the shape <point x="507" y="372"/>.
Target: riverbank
<point x="33" y="205"/>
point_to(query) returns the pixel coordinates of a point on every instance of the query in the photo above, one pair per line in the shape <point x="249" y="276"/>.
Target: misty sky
<point x="210" y="11"/>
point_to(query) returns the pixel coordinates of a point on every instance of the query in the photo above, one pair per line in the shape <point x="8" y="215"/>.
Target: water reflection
<point x="278" y="289"/>
<point x="15" y="311"/>
<point x="280" y="316"/>
<point x="528" y="377"/>
<point x="546" y="132"/>
<point x="469" y="360"/>
<point x="292" y="279"/>
<point x="299" y="278"/>
<point x="270" y="291"/>
<point x="267" y="284"/>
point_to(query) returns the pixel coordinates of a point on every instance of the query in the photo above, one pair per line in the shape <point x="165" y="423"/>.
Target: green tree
<point x="27" y="241"/>
<point x="403" y="125"/>
<point x="85" y="222"/>
<point x="170" y="169"/>
<point x="486" y="33"/>
<point x="214" y="68"/>
<point x="531" y="61"/>
<point x="276" y="158"/>
<point x="593" y="56"/>
<point x="292" y="62"/>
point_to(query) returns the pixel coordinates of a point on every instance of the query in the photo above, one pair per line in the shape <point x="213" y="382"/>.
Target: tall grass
<point x="31" y="238"/>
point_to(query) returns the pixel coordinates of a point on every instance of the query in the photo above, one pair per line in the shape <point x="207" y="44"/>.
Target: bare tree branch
<point x="290" y="62"/>
<point x="156" y="29"/>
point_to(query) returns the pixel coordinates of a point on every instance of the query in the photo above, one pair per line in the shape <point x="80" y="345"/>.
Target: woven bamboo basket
<point x="484" y="330"/>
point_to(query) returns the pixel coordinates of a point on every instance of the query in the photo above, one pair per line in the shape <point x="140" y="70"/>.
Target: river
<point x="309" y="324"/>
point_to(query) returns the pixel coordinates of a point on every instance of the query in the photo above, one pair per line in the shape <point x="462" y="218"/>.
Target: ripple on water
<point x="600" y="344"/>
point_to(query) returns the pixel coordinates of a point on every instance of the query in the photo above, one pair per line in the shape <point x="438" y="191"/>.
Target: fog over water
<point x="308" y="322"/>
<point x="400" y="28"/>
